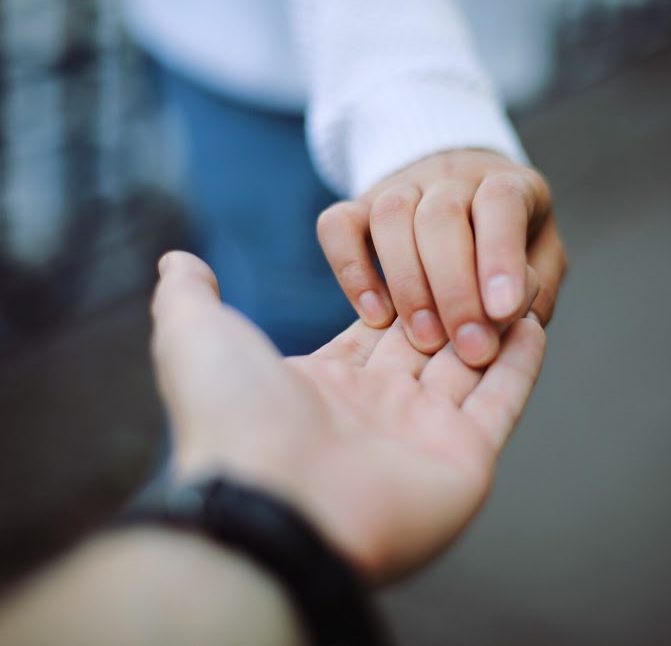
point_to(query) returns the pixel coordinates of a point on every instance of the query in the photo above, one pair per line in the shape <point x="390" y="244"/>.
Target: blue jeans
<point x="254" y="197"/>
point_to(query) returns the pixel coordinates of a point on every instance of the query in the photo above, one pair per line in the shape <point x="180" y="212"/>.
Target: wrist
<point x="284" y="465"/>
<point x="274" y="469"/>
<point x="326" y="592"/>
<point x="306" y="474"/>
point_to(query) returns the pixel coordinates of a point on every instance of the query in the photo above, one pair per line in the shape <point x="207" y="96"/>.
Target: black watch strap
<point x="331" y="599"/>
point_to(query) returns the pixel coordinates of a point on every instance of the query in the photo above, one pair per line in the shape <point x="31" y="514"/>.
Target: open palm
<point x="388" y="450"/>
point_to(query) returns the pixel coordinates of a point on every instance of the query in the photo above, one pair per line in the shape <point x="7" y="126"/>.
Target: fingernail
<point x="427" y="329"/>
<point x="373" y="308"/>
<point x="475" y="343"/>
<point x="502" y="297"/>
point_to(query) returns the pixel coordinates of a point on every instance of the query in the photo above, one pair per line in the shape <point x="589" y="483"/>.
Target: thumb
<point x="200" y="346"/>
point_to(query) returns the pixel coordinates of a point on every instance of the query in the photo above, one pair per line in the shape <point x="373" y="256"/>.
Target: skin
<point x="389" y="452"/>
<point x="149" y="587"/>
<point x="453" y="234"/>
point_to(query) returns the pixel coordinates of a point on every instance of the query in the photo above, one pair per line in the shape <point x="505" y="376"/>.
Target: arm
<point x="388" y="452"/>
<point x="145" y="587"/>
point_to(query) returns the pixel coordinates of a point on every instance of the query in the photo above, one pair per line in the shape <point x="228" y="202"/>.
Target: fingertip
<point x="182" y="262"/>
<point x="528" y="331"/>
<point x="426" y="332"/>
<point x="374" y="309"/>
<point x="183" y="278"/>
<point x="503" y="297"/>
<point x="529" y="328"/>
<point x="185" y="264"/>
<point x="476" y="344"/>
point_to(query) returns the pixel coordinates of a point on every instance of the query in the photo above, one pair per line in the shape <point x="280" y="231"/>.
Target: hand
<point x="388" y="451"/>
<point x="453" y="234"/>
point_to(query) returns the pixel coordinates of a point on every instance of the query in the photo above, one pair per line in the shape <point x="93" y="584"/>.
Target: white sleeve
<point x="390" y="82"/>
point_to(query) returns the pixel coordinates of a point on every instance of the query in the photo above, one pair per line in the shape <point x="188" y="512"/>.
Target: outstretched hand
<point x="388" y="451"/>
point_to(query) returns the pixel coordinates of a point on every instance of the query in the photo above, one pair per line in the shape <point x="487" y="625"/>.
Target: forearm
<point x="150" y="586"/>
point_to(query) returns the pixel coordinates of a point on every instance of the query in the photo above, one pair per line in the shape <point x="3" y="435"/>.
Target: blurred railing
<point x="83" y="205"/>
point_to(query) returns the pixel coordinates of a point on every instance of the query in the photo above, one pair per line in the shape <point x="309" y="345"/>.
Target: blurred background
<point x="573" y="547"/>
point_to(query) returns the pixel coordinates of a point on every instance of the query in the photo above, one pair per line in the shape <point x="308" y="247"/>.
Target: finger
<point x="186" y="294"/>
<point x="445" y="242"/>
<point x="448" y="377"/>
<point x="343" y="233"/>
<point x="548" y="258"/>
<point x="502" y="208"/>
<point x="392" y="229"/>
<point x="395" y="353"/>
<point x="186" y="285"/>
<point x="196" y="339"/>
<point x="354" y="345"/>
<point x="532" y="289"/>
<point x="498" y="400"/>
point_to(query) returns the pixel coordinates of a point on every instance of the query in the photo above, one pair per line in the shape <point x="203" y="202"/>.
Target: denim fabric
<point x="254" y="198"/>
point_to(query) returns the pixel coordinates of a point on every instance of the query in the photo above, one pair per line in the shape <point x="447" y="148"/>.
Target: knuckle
<point x="539" y="185"/>
<point x="351" y="274"/>
<point x="394" y="202"/>
<point x="503" y="186"/>
<point x="447" y="165"/>
<point x="335" y="218"/>
<point x="352" y="349"/>
<point x="407" y="288"/>
<point x="446" y="208"/>
<point x="403" y="283"/>
<point x="535" y="180"/>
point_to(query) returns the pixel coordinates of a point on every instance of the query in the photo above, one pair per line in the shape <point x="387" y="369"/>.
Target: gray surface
<point x="574" y="545"/>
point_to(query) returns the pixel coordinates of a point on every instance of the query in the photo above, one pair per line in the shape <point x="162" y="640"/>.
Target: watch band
<point x="327" y="592"/>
